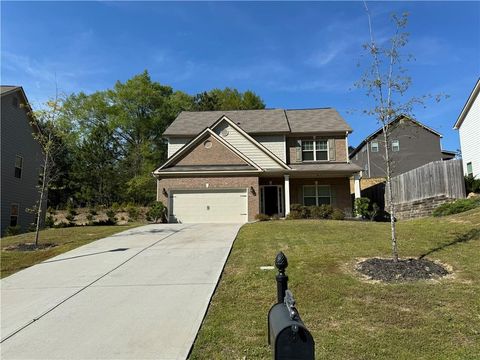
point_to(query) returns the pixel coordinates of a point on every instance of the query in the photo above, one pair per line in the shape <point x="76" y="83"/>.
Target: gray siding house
<point x="412" y="144"/>
<point x="21" y="158"/>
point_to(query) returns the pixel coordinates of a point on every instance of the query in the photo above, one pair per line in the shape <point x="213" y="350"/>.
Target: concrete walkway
<point x="139" y="294"/>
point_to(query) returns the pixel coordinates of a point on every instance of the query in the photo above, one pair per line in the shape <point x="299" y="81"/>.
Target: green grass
<point x="66" y="239"/>
<point x="350" y="318"/>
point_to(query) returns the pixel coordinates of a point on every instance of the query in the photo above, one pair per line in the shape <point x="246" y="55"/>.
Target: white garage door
<point x="208" y="206"/>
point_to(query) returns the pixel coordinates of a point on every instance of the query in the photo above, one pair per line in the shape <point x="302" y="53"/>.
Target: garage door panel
<point x="210" y="206"/>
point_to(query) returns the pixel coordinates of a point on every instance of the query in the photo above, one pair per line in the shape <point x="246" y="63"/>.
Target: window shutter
<point x="299" y="150"/>
<point x="331" y="149"/>
<point x="333" y="195"/>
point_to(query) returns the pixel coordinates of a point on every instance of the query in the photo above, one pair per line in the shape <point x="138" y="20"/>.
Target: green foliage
<point x="321" y="212"/>
<point x="92" y="211"/>
<point x="362" y="207"/>
<point x="457" y="206"/>
<point x="338" y="214"/>
<point x="12" y="230"/>
<point x="472" y="184"/>
<point x="90" y="218"/>
<point x="49" y="220"/>
<point x="294" y="215"/>
<point x="133" y="212"/>
<point x="70" y="217"/>
<point x="111" y="215"/>
<point x="227" y="99"/>
<point x="71" y="209"/>
<point x="262" y="217"/>
<point x="156" y="212"/>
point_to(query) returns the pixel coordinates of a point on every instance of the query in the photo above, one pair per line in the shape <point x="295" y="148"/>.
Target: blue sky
<point x="293" y="54"/>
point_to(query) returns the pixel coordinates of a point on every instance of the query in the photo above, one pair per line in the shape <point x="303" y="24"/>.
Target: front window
<point x="314" y="150"/>
<point x="316" y="195"/>
<point x="395" y="145"/>
<point x="374" y="146"/>
<point x="18" y="166"/>
<point x="469" y="169"/>
<point x="14" y="215"/>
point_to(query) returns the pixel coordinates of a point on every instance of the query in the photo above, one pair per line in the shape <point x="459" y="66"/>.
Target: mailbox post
<point x="287" y="334"/>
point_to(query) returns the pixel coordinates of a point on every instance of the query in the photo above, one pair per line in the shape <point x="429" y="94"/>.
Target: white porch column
<point x="357" y="178"/>
<point x="287" y="194"/>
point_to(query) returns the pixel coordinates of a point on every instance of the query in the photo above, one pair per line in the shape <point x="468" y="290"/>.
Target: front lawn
<point x="65" y="238"/>
<point x="350" y="318"/>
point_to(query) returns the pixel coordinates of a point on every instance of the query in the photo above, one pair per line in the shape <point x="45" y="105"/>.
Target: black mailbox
<point x="287" y="334"/>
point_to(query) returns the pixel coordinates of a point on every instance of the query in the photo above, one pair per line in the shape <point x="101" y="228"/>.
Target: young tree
<point x="50" y="140"/>
<point x="386" y="82"/>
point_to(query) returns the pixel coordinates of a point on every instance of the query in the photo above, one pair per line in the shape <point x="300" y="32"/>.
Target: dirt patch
<point x="29" y="247"/>
<point x="404" y="270"/>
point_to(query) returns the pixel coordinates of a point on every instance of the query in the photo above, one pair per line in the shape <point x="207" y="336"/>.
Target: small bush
<point x="338" y="214"/>
<point x="296" y="207"/>
<point x="294" y="215"/>
<point x="275" y="217"/>
<point x="63" y="224"/>
<point x="70" y="217"/>
<point x="111" y="215"/>
<point x="90" y="217"/>
<point x="51" y="211"/>
<point x="361" y="207"/>
<point x="321" y="212"/>
<point x="262" y="217"/>
<point x="12" y="230"/>
<point x="133" y="212"/>
<point x="92" y="211"/>
<point x="71" y="209"/>
<point x="156" y="212"/>
<point x="49" y="221"/>
<point x="456" y="207"/>
<point x="472" y="184"/>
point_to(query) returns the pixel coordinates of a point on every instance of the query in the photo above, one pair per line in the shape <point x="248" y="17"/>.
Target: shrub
<point x="12" y="230"/>
<point x="105" y="222"/>
<point x="111" y="215"/>
<point x="456" y="207"/>
<point x="296" y="207"/>
<point x="156" y="212"/>
<point x="116" y="207"/>
<point x="262" y="217"/>
<point x="275" y="217"/>
<point x="70" y="217"/>
<point x="294" y="215"/>
<point x="338" y="214"/>
<point x="361" y="206"/>
<point x="133" y="212"/>
<point x="92" y="211"/>
<point x="472" y="184"/>
<point x="49" y="221"/>
<point x="321" y="212"/>
<point x="51" y="211"/>
<point x="90" y="217"/>
<point x="63" y="224"/>
<point x="71" y="209"/>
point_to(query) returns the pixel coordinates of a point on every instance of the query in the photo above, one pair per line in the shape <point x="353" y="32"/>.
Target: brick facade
<point x="213" y="153"/>
<point x="200" y="183"/>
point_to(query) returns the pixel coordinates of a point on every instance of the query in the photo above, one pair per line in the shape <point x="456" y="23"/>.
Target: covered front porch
<point x="278" y="192"/>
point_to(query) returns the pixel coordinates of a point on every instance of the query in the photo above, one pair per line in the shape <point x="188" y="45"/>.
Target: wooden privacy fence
<point x="435" y="179"/>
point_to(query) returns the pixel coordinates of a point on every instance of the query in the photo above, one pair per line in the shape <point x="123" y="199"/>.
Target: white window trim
<point x="398" y="143"/>
<point x="316" y="193"/>
<point x="315" y="149"/>
<point x="377" y="147"/>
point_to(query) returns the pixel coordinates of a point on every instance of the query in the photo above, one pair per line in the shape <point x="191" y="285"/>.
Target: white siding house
<point x="468" y="126"/>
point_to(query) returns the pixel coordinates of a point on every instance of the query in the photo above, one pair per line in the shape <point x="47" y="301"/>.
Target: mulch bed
<point x="404" y="270"/>
<point x="29" y="247"/>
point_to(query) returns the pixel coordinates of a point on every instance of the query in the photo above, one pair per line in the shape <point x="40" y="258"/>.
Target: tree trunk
<point x="40" y="204"/>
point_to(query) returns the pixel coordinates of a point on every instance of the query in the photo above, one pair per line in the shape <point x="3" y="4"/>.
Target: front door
<point x="271" y="200"/>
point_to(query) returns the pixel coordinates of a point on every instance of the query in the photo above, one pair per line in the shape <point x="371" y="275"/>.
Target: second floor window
<point x="374" y="146"/>
<point x="314" y="150"/>
<point x="18" y="166"/>
<point x="395" y="145"/>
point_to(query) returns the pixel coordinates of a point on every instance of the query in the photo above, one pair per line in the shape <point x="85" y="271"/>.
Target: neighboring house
<point x="468" y="126"/>
<point x="412" y="144"/>
<point x="21" y="160"/>
<point x="448" y="155"/>
<point x="229" y="166"/>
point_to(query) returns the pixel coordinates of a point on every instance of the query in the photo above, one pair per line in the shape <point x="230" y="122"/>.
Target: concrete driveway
<point x="139" y="294"/>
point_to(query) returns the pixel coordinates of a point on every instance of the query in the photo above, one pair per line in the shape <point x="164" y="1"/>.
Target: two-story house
<point x="468" y="126"/>
<point x="412" y="144"/>
<point x="21" y="157"/>
<point x="229" y="166"/>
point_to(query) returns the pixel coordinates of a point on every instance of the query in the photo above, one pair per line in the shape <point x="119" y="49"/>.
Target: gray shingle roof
<point x="268" y="121"/>
<point x="316" y="120"/>
<point x="7" y="88"/>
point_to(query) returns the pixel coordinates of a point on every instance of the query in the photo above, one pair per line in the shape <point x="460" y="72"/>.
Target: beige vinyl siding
<point x="274" y="143"/>
<point x="246" y="146"/>
<point x="469" y="135"/>
<point x="175" y="144"/>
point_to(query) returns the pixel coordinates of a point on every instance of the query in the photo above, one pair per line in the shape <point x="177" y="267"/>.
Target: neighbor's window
<point x="316" y="195"/>
<point x="469" y="169"/>
<point x="18" y="166"/>
<point x="14" y="215"/>
<point x="374" y="146"/>
<point x="395" y="145"/>
<point x="314" y="150"/>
